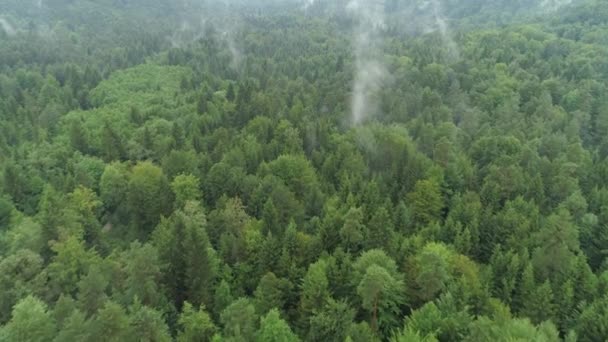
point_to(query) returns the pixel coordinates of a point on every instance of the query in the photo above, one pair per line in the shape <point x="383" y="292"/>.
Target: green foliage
<point x="195" y="325"/>
<point x="147" y="195"/>
<point x="331" y="322"/>
<point x="239" y="320"/>
<point x="591" y="325"/>
<point x="148" y="324"/>
<point x="185" y="188"/>
<point x="111" y="323"/>
<point x="75" y="328"/>
<point x="315" y="287"/>
<point x="30" y="321"/>
<point x="183" y="245"/>
<point x="513" y="329"/>
<point x="271" y="293"/>
<point x="92" y="291"/>
<point x="435" y="272"/>
<point x="171" y="179"/>
<point x="426" y="202"/>
<point x="274" y="329"/>
<point x="380" y="295"/>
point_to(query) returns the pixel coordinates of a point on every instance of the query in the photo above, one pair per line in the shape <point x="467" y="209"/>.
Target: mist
<point x="197" y="17"/>
<point x="229" y="28"/>
<point x="453" y="52"/>
<point x="370" y="72"/>
<point x="554" y="5"/>
<point x="7" y="27"/>
<point x="308" y="3"/>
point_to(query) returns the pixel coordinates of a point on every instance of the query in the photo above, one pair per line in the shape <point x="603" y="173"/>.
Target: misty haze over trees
<point x="303" y="170"/>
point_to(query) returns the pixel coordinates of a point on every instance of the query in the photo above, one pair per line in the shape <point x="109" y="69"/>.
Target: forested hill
<point x="303" y="170"/>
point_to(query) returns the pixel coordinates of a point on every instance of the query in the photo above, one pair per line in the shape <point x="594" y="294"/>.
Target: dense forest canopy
<point x="303" y="170"/>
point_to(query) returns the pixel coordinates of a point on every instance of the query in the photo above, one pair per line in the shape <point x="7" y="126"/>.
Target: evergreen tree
<point x="195" y="325"/>
<point x="274" y="329"/>
<point x="30" y="321"/>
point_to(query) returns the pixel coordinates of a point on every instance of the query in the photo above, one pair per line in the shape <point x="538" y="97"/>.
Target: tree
<point x="64" y="308"/>
<point x="6" y="210"/>
<point x="30" y="322"/>
<point x="230" y="93"/>
<point x="78" y="137"/>
<point x="25" y="235"/>
<point x="270" y="293"/>
<point x="361" y="332"/>
<point x="315" y="291"/>
<point x="558" y="242"/>
<point x="274" y="329"/>
<point x="183" y="244"/>
<point x="75" y="328"/>
<point x="195" y="325"/>
<point x="177" y="133"/>
<point x="380" y="230"/>
<point x="485" y="329"/>
<point x="50" y="210"/>
<point x="239" y="320"/>
<point x="381" y="296"/>
<point x="231" y="223"/>
<point x="180" y="162"/>
<point x="373" y="257"/>
<point x="147" y="196"/>
<point x="70" y="262"/>
<point x="380" y="287"/>
<point x="352" y="232"/>
<point x="412" y="336"/>
<point x="185" y="188"/>
<point x="113" y="187"/>
<point x="434" y="271"/>
<point x="270" y="216"/>
<point x="111" y="323"/>
<point x="14" y="184"/>
<point x="426" y="202"/>
<point x="540" y="305"/>
<point x="148" y="324"/>
<point x="592" y="324"/>
<point x="18" y="279"/>
<point x="111" y="144"/>
<point x="402" y="218"/>
<point x="222" y="297"/>
<point x="430" y="321"/>
<point x="331" y="322"/>
<point x="92" y="291"/>
<point x="142" y="270"/>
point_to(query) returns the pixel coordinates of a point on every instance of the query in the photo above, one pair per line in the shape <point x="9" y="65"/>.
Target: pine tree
<point x="230" y="93"/>
<point x="112" y="323"/>
<point x="222" y="297"/>
<point x="111" y="144"/>
<point x="426" y="202"/>
<point x="352" y="231"/>
<point x="30" y="322"/>
<point x="540" y="305"/>
<point x="78" y="137"/>
<point x="195" y="325"/>
<point x="183" y="243"/>
<point x="92" y="291"/>
<point x="380" y="230"/>
<point x="315" y="290"/>
<point x="240" y="320"/>
<point x="148" y="324"/>
<point x="274" y="329"/>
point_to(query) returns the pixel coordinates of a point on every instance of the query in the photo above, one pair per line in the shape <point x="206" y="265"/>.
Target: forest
<point x="303" y="170"/>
